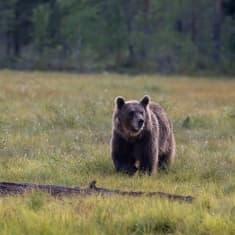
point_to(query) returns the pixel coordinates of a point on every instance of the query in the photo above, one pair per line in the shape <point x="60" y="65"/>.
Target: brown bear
<point x="142" y="136"/>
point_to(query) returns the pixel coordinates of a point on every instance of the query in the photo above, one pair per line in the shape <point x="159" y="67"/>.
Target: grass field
<point x="55" y="128"/>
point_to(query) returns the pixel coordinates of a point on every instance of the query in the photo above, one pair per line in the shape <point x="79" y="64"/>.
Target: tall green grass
<point x="55" y="128"/>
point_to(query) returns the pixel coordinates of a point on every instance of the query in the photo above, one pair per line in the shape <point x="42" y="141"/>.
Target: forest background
<point x="164" y="36"/>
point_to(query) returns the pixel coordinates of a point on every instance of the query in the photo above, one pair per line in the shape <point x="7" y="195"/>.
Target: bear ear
<point x="145" y="100"/>
<point x="119" y="101"/>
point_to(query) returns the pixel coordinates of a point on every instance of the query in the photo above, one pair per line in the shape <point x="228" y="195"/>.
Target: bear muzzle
<point x="138" y="125"/>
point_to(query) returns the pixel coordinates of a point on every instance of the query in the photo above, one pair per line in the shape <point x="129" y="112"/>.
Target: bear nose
<point x="140" y="123"/>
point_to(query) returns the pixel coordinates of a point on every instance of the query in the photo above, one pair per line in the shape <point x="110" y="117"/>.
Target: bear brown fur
<point x="142" y="136"/>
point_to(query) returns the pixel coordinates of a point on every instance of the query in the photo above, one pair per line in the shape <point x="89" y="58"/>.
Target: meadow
<point x="55" y="128"/>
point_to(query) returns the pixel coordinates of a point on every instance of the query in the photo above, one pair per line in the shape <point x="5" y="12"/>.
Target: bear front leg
<point x="121" y="155"/>
<point x="148" y="165"/>
<point x="123" y="166"/>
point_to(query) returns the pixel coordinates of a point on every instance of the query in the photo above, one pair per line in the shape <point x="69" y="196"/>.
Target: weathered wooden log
<point x="11" y="188"/>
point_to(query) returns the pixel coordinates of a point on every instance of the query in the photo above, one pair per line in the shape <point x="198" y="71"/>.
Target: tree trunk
<point x="131" y="52"/>
<point x="9" y="43"/>
<point x="129" y="23"/>
<point x="16" y="32"/>
<point x="12" y="188"/>
<point x="3" y="45"/>
<point x="217" y="31"/>
<point x="146" y="29"/>
<point x="194" y="23"/>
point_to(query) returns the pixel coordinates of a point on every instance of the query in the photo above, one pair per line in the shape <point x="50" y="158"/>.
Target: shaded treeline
<point x="161" y="35"/>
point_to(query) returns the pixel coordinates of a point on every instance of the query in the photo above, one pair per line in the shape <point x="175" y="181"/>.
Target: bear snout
<point x="140" y="123"/>
<point x="137" y="125"/>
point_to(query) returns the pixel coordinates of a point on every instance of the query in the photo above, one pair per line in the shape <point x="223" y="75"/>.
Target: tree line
<point x="90" y="35"/>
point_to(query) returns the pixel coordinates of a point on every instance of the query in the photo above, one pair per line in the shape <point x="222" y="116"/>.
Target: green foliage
<point x="165" y="36"/>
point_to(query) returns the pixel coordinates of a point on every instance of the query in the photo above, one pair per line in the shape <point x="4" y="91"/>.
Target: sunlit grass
<point x="55" y="128"/>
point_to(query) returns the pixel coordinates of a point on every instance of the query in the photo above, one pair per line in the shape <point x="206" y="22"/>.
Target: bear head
<point x="130" y="116"/>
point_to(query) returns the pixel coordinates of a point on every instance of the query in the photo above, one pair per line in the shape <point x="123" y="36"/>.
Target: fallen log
<point x="12" y="188"/>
